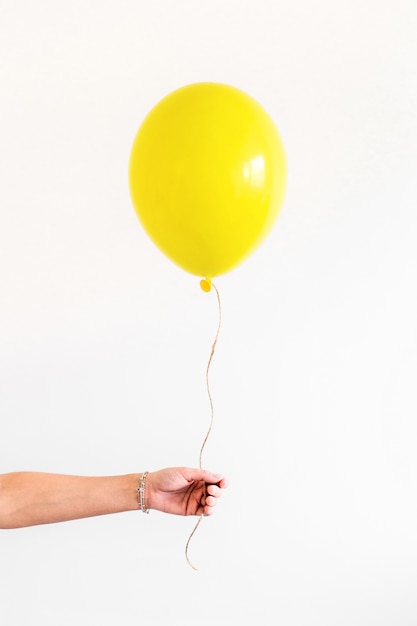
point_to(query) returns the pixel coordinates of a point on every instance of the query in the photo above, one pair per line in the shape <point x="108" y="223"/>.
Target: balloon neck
<point x="205" y="284"/>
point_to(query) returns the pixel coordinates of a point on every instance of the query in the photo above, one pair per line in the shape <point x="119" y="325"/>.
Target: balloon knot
<point x="205" y="284"/>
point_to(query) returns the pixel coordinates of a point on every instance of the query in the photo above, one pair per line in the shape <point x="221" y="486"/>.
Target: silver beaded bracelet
<point x="141" y="492"/>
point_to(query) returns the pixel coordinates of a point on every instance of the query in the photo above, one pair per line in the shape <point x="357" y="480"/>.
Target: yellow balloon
<point x="207" y="176"/>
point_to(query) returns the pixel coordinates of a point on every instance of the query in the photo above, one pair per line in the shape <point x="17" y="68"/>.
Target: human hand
<point x="184" y="490"/>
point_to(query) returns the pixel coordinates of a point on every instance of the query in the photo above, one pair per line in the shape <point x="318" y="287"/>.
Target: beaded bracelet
<point x="141" y="492"/>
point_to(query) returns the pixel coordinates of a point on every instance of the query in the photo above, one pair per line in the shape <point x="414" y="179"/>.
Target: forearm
<point x="32" y="498"/>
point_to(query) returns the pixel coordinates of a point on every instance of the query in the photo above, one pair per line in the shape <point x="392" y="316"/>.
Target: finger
<point x="214" y="490"/>
<point x="209" y="508"/>
<point x="223" y="483"/>
<point x="212" y="478"/>
<point x="211" y="501"/>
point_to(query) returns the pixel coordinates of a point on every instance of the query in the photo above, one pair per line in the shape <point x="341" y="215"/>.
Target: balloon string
<point x="213" y="347"/>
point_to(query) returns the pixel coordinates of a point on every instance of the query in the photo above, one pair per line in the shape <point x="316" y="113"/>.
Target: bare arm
<point x="32" y="498"/>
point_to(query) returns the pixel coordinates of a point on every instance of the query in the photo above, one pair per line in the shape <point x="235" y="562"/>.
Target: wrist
<point x="143" y="494"/>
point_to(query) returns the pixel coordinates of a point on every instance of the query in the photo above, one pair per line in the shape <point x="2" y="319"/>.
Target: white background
<point x="104" y="342"/>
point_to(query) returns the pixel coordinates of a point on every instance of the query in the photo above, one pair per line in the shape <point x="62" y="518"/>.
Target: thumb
<point x="211" y="477"/>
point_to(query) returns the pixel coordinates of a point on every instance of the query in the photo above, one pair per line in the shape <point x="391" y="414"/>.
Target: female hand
<point x="183" y="490"/>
